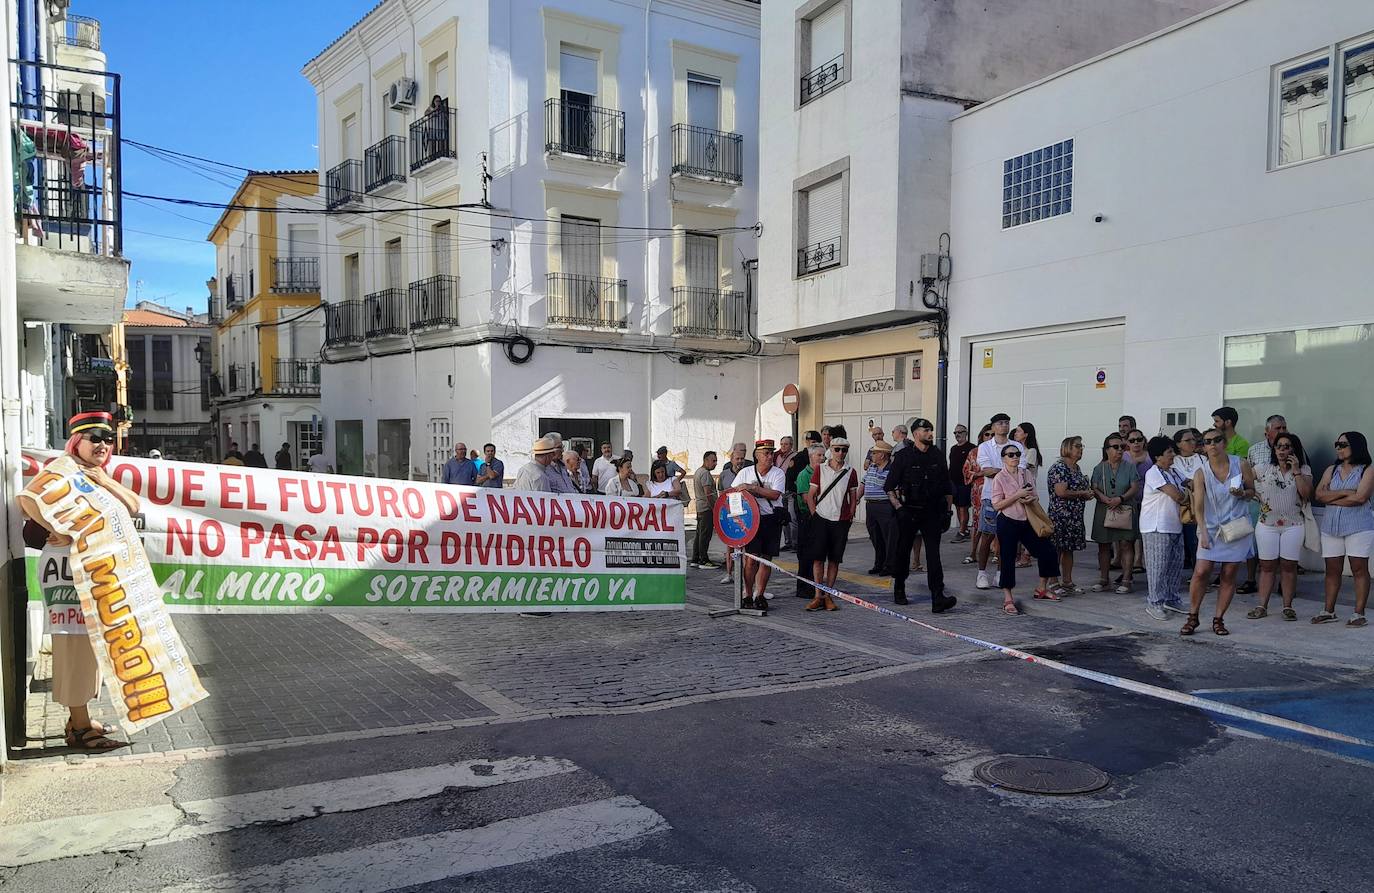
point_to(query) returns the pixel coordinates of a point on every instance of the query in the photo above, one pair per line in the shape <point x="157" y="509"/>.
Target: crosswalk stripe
<point x="130" y="829"/>
<point x="394" y="864"/>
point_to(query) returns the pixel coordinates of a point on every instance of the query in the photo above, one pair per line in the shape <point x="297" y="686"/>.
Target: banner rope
<point x="1142" y="688"/>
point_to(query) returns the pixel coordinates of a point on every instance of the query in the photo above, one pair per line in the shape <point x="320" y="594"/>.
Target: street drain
<point x="1042" y="775"/>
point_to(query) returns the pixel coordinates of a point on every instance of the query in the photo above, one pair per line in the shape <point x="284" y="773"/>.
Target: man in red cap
<point x="766" y="483"/>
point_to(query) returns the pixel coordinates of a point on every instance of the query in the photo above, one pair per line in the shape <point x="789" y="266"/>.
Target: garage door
<point x="885" y="391"/>
<point x="1051" y="381"/>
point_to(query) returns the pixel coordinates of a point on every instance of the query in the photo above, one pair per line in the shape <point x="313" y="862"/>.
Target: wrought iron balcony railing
<point x="708" y="154"/>
<point x="80" y="31"/>
<point x="295" y="275"/>
<point x="587" y="130"/>
<point x="385" y="313"/>
<point x="822" y="79"/>
<point x="432" y="137"/>
<point x="67" y="161"/>
<point x="434" y="302"/>
<point x="385" y="162"/>
<point x="238" y="379"/>
<point x="343" y="184"/>
<point x="343" y="323"/>
<point x="586" y="301"/>
<point x="817" y="257"/>
<point x="296" y="376"/>
<point x="235" y="295"/>
<point x="709" y="313"/>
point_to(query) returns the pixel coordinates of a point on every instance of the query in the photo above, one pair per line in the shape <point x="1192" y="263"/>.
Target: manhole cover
<point x="1042" y="775"/>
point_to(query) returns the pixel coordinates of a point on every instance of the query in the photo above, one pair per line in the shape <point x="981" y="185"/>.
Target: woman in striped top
<point x="878" y="511"/>
<point x="1347" y="524"/>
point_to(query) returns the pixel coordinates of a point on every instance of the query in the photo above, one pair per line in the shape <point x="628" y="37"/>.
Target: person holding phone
<point x="1284" y="484"/>
<point x="1222" y="490"/>
<point x="1011" y="491"/>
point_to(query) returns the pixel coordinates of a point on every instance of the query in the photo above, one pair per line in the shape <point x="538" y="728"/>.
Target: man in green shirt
<point x="1224" y="420"/>
<point x="815" y="457"/>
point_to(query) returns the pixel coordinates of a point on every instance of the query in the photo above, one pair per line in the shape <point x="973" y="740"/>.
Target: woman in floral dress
<point x="1069" y="489"/>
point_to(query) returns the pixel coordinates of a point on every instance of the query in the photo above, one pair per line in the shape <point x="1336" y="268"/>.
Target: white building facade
<point x="605" y="292"/>
<point x="167" y="381"/>
<point x="855" y="124"/>
<point x="1177" y="225"/>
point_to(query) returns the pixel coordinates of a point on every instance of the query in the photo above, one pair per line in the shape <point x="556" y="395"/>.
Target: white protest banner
<point x="136" y="646"/>
<point x="237" y="539"/>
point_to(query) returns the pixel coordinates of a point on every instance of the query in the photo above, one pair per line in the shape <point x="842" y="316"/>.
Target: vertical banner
<point x="141" y="657"/>
<point x="234" y="539"/>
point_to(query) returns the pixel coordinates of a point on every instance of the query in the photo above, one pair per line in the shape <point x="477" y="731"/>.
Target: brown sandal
<point x="91" y="739"/>
<point x="1189" y="625"/>
<point x="1219" y="628"/>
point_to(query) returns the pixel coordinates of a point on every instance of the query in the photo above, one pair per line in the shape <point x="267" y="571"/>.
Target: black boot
<point x="899" y="597"/>
<point x="939" y="604"/>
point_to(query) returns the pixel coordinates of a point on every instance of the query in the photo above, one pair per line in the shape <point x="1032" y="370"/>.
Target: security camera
<point x="1098" y="218"/>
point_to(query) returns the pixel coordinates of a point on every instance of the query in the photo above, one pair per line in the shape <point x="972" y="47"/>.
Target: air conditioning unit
<point x="403" y="93"/>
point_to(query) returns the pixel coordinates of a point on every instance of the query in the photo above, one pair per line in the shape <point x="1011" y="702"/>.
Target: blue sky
<point x="216" y="79"/>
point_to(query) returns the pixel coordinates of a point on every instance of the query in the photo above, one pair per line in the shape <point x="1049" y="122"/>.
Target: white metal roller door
<point x="1050" y="380"/>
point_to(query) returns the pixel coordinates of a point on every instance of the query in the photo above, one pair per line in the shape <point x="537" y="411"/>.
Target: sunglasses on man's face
<point x="1342" y="445"/>
<point x="839" y="449"/>
<point x="1135" y="440"/>
<point x="98" y="437"/>
<point x="1213" y="441"/>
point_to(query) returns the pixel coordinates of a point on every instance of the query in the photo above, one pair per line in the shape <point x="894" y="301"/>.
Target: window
<point x="393" y="448"/>
<point x="348" y="447"/>
<point x="824" y="41"/>
<point x="352" y="279"/>
<point x="138" y="372"/>
<point x="204" y="358"/>
<point x="441" y="248"/>
<point x="1037" y="185"/>
<point x="703" y="261"/>
<point x="703" y="101"/>
<point x="162" y="372"/>
<point x="821" y="214"/>
<point x="1311" y="120"/>
<point x="439" y="77"/>
<point x="440" y="445"/>
<point x="393" y="264"/>
<point x="580" y="244"/>
<point x="577" y="90"/>
<point x="350" y="144"/>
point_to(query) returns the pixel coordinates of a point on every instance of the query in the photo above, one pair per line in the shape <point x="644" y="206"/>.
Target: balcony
<point x="65" y="125"/>
<point x="709" y="313"/>
<point x="385" y="163"/>
<point x="343" y="184"/>
<point x="296" y="376"/>
<point x="343" y="323"/>
<point x="585" y="301"/>
<point x="80" y="31"/>
<point x="234" y="293"/>
<point x="434" y="302"/>
<point x="295" y="275"/>
<point x="708" y="154"/>
<point x="817" y="257"/>
<point x="584" y="130"/>
<point x="433" y="137"/>
<point x="93" y="367"/>
<point x="238" y="379"/>
<point x="822" y="79"/>
<point x="385" y="313"/>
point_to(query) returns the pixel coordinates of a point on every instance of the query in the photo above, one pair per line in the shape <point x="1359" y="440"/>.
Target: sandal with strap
<point x="1290" y="614"/>
<point x="1258" y="612"/>
<point x="91" y="739"/>
<point x="1219" y="628"/>
<point x="1189" y="625"/>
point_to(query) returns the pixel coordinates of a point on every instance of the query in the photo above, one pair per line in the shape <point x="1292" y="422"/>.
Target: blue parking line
<point x="1346" y="710"/>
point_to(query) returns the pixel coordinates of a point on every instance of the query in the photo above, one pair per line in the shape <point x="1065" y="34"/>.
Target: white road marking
<point x="130" y="829"/>
<point x="394" y="864"/>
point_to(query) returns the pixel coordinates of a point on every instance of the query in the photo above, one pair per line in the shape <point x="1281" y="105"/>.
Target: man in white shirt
<point x="832" y="498"/>
<point x="766" y="483"/>
<point x="602" y="465"/>
<point x="532" y="475"/>
<point x="318" y="464"/>
<point x="989" y="463"/>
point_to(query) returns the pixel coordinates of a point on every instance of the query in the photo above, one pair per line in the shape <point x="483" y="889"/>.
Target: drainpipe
<point x="648" y="314"/>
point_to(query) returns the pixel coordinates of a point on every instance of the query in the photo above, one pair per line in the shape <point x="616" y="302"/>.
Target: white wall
<point x="1200" y="239"/>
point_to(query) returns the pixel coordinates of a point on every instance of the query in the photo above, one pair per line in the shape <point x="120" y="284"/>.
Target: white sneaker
<point x="768" y="595"/>
<point x="693" y="564"/>
<point x="1156" y="612"/>
<point x="726" y="579"/>
<point x="983" y="581"/>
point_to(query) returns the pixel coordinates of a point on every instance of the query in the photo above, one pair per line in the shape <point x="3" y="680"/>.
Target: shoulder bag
<point x="1236" y="529"/>
<point x="1039" y="521"/>
<point x="1121" y="517"/>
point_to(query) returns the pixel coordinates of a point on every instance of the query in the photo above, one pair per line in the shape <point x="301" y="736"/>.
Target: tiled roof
<point x="151" y="318"/>
<point x="282" y="173"/>
<point x="348" y="31"/>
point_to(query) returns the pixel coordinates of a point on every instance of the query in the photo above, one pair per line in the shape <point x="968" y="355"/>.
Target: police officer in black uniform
<point x="918" y="486"/>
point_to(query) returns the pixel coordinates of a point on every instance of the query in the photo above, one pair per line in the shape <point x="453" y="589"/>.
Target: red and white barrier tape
<point x="1142" y="688"/>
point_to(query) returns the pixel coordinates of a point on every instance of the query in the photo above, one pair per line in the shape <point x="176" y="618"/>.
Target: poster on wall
<point x="249" y="540"/>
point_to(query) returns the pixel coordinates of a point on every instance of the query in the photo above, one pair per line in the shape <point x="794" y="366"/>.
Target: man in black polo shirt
<point x="919" y="488"/>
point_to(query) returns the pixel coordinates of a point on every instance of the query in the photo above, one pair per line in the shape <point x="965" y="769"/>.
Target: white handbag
<point x="1236" y="529"/>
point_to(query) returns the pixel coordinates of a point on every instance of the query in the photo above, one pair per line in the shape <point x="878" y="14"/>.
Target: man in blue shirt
<point x="491" y="471"/>
<point x="460" y="469"/>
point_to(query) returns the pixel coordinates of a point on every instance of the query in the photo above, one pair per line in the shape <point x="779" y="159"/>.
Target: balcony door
<point x="393" y="264"/>
<point x="703" y="262"/>
<point x="580" y="240"/>
<point x="349" y="138"/>
<point x="703" y="101"/>
<point x="577" y="80"/>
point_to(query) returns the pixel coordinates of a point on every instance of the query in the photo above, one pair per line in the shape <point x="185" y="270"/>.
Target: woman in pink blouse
<point x="1012" y="489"/>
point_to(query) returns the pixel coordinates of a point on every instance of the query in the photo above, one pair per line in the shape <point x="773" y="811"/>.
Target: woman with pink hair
<point x="75" y="673"/>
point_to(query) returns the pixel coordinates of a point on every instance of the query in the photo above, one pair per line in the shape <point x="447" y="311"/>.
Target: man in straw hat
<point x="766" y="483"/>
<point x="533" y="475"/>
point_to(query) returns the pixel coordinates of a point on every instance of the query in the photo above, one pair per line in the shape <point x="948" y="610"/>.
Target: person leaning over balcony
<point x="493" y="471"/>
<point x="75" y="671"/>
<point x="1284" y="483"/>
<point x="531" y="474"/>
<point x="1347" y="525"/>
<point x="283" y="458"/>
<point x="706" y="494"/>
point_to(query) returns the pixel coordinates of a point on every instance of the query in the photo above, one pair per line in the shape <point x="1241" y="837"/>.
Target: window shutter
<point x="577" y="73"/>
<point x="703" y="102"/>
<point x="581" y="246"/>
<point x="823" y="209"/>
<point x="827" y="35"/>
<point x="703" y="261"/>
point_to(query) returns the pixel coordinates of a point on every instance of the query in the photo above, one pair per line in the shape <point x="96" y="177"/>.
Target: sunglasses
<point x="1012" y="454"/>
<point x="1135" y="440"/>
<point x="98" y="437"/>
<point x="1342" y="445"/>
<point x="1115" y="446"/>
<point x="839" y="449"/>
<point x="1213" y="441"/>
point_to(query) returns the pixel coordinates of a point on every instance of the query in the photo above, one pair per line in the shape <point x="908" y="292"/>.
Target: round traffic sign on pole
<point x="791" y="399"/>
<point x="737" y="526"/>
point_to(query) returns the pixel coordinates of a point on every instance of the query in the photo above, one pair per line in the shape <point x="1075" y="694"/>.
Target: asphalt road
<point x="867" y="785"/>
